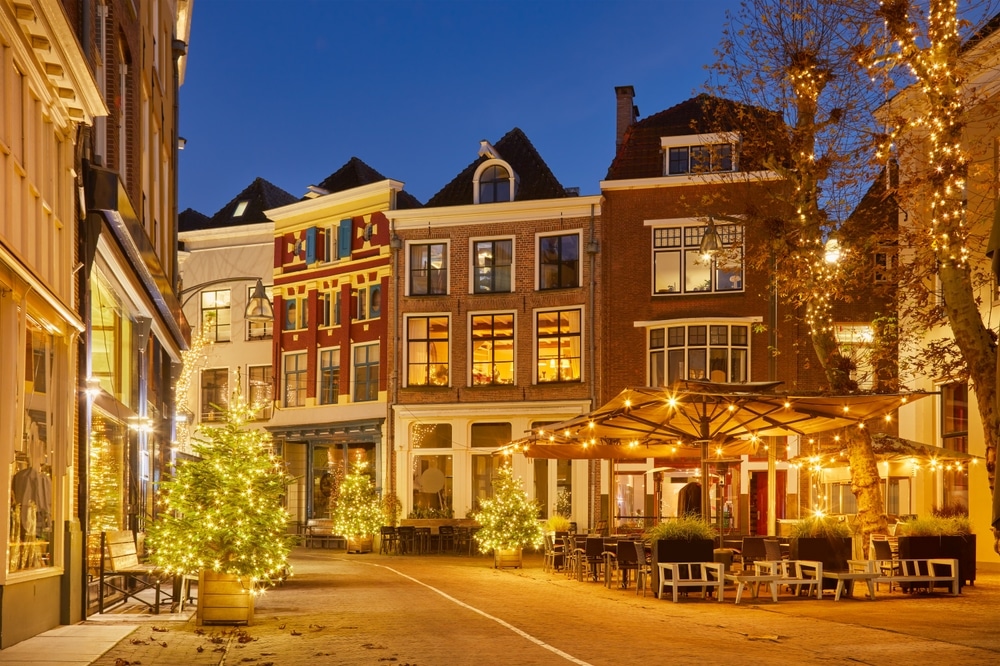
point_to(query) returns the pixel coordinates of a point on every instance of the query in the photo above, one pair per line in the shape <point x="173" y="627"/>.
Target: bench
<point x="121" y="572"/>
<point x="320" y="531"/>
<point x="915" y="572"/>
<point x="796" y="574"/>
<point x="677" y="575"/>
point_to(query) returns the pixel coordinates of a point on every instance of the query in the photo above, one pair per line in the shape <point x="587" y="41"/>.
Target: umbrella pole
<point x="706" y="502"/>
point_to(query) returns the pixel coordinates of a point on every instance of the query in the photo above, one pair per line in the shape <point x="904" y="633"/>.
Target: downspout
<point x="395" y="247"/>
<point x="595" y="471"/>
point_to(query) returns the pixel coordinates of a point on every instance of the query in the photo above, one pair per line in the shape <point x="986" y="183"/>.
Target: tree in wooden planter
<point x="223" y="514"/>
<point x="509" y="521"/>
<point x="358" y="511"/>
<point x="686" y="539"/>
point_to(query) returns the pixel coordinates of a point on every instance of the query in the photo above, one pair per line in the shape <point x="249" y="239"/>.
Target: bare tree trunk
<point x="866" y="486"/>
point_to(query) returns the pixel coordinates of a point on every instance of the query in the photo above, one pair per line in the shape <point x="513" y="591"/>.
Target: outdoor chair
<point x="752" y="551"/>
<point x="772" y="550"/>
<point x="885" y="563"/>
<point x="643" y="571"/>
<point x="446" y="538"/>
<point x="407" y="537"/>
<point x="388" y="541"/>
<point x="623" y="560"/>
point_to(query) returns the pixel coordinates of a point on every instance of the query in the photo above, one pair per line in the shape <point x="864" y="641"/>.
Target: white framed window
<point x="259" y="391"/>
<point x="716" y="351"/>
<point x="329" y="308"/>
<point x="294" y="369"/>
<point x="679" y="266"/>
<point x="492" y="339"/>
<point x="260" y="330"/>
<point x="366" y="371"/>
<point x="329" y="376"/>
<point x="492" y="265"/>
<point x="854" y="342"/>
<point x="699" y="153"/>
<point x="558" y="345"/>
<point x="216" y="315"/>
<point x="428" y="268"/>
<point x="427" y="350"/>
<point x="559" y="261"/>
<point x="214" y="393"/>
<point x="494" y="182"/>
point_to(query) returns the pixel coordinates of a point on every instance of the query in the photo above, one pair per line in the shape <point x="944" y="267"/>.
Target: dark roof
<point x="535" y="179"/>
<point x="259" y="196"/>
<point x="640" y="155"/>
<point x="190" y="219"/>
<point x="356" y="173"/>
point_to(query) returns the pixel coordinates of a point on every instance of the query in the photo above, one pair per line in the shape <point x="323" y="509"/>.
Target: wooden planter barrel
<point x="223" y="599"/>
<point x="507" y="559"/>
<point x="359" y="544"/>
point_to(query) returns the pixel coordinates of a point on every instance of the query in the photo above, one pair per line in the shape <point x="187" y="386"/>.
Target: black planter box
<point x="958" y="547"/>
<point x="833" y="552"/>
<point x="679" y="550"/>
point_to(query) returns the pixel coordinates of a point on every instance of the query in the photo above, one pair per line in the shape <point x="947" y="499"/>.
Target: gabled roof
<point x="641" y="155"/>
<point x="535" y="179"/>
<point x="190" y="219"/>
<point x="259" y="196"/>
<point x="356" y="173"/>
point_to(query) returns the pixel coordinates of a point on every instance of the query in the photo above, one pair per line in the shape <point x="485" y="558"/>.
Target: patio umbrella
<point x="888" y="448"/>
<point x="712" y="418"/>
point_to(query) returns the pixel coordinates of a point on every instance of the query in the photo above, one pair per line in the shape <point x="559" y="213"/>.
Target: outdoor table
<point x="753" y="581"/>
<point x="846" y="579"/>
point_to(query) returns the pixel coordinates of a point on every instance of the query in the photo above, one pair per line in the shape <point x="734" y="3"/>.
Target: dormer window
<point x="494" y="182"/>
<point x="241" y="208"/>
<point x="699" y="154"/>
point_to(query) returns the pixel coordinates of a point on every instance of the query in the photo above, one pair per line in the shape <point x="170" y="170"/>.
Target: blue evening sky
<point x="289" y="90"/>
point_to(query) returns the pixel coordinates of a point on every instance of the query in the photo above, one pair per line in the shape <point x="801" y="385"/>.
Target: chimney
<point x="628" y="113"/>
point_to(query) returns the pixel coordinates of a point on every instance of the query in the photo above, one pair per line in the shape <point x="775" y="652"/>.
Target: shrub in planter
<point x="941" y="537"/>
<point x="688" y="539"/>
<point x="823" y="539"/>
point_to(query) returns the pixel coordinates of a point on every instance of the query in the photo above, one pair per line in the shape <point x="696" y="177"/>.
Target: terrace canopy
<point x="702" y="420"/>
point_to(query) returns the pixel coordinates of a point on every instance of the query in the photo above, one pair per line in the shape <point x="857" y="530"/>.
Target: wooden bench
<point x="320" y="531"/>
<point x="916" y="572"/>
<point x="677" y="575"/>
<point x="121" y="572"/>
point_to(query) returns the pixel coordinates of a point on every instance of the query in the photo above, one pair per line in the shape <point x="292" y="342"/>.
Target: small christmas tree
<point x="358" y="512"/>
<point x="509" y="519"/>
<point x="224" y="512"/>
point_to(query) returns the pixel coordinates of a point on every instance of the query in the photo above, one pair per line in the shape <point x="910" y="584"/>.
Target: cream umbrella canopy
<point x="716" y="418"/>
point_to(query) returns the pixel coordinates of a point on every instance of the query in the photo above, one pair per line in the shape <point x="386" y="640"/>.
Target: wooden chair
<point x="388" y="540"/>
<point x="643" y="571"/>
<point x="121" y="572"/>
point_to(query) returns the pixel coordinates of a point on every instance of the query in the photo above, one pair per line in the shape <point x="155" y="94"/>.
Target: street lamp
<point x="258" y="308"/>
<point x="711" y="243"/>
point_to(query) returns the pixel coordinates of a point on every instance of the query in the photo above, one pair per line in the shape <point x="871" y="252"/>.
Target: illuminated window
<point x="492" y="349"/>
<point x="216" y="315"/>
<point x="427" y="351"/>
<point x="214" y="393"/>
<point x="557" y="339"/>
<point x="259" y="396"/>
<point x="492" y="268"/>
<point x="294" y="379"/>
<point x="428" y="269"/>
<point x="714" y="352"/>
<point x="679" y="267"/>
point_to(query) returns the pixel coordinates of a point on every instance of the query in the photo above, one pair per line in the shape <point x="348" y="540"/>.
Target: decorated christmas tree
<point x="509" y="519"/>
<point x="357" y="512"/>
<point x="224" y="511"/>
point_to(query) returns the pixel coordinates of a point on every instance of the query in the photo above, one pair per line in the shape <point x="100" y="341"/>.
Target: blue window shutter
<point x="311" y="245"/>
<point x="344" y="239"/>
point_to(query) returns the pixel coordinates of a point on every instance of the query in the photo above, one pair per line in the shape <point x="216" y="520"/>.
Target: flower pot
<point x="507" y="559"/>
<point x="359" y="544"/>
<point x="223" y="599"/>
<point x="678" y="550"/>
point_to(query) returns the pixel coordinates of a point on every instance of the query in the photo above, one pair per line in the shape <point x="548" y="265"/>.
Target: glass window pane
<point x="432" y="486"/>
<point x="667" y="272"/>
<point x="697" y="272"/>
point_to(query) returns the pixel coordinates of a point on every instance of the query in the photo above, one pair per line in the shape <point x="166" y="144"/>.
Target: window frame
<point x="322" y="390"/>
<point x="431" y="288"/>
<point x="355" y="384"/>
<point x="512" y="179"/>
<point x="474" y="267"/>
<point x="680" y="239"/>
<point x="302" y="378"/>
<point x="715" y="145"/>
<point x="475" y="341"/>
<point x="267" y="410"/>
<point x="668" y="347"/>
<point x="209" y="413"/>
<point x="428" y="342"/>
<point x="301" y="303"/>
<point x="206" y="312"/>
<point x="540" y="284"/>
<point x="579" y="335"/>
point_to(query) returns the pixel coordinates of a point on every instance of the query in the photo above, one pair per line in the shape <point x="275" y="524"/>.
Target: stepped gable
<point x="640" y="155"/>
<point x="190" y="220"/>
<point x="356" y="173"/>
<point x="535" y="179"/>
<point x="259" y="196"/>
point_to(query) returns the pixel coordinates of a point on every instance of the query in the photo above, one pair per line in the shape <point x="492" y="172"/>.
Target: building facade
<point x="495" y="295"/>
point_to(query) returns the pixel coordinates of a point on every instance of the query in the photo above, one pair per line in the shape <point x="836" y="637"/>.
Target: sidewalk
<point x="436" y="609"/>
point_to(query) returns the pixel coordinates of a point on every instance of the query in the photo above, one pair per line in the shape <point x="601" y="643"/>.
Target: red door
<point x="758" y="503"/>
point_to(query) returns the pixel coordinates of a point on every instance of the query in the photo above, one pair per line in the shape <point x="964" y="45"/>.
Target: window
<point x="490" y="435"/>
<point x="854" y="341"/>
<point x="295" y="313"/>
<point x="559" y="261"/>
<point x="260" y="330"/>
<point x="492" y="270"/>
<point x="241" y="208"/>
<point x="366" y="369"/>
<point x="214" y="393"/>
<point x="259" y="397"/>
<point x="484" y="468"/>
<point x="716" y="352"/>
<point x="329" y="306"/>
<point x="885" y="265"/>
<point x="687" y="155"/>
<point x="429" y="269"/>
<point x="430" y="436"/>
<point x="216" y="315"/>
<point x="375" y="301"/>
<point x="955" y="437"/>
<point x="558" y="346"/>
<point x="494" y="185"/>
<point x="329" y="376"/>
<point x="492" y="349"/>
<point x="679" y="267"/>
<point x="295" y="371"/>
<point x="330" y="243"/>
<point x="432" y="486"/>
<point x="427" y="351"/>
<point x="361" y="295"/>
